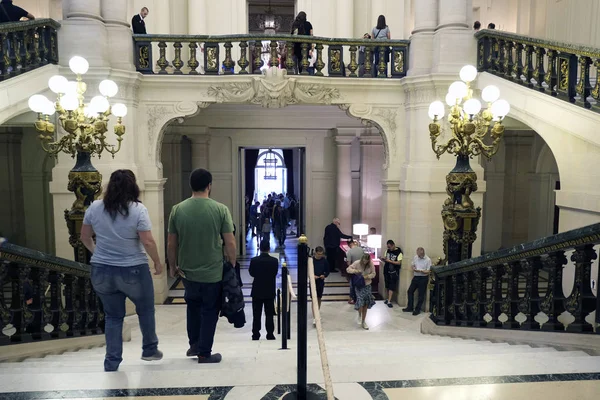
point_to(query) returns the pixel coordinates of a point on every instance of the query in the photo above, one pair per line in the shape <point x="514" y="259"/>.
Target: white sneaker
<point x="359" y="319"/>
<point x="314" y="322"/>
<point x="365" y="326"/>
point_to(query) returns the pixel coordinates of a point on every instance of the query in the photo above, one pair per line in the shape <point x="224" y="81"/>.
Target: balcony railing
<point x="251" y="54"/>
<point x="504" y="289"/>
<point x="26" y="46"/>
<point x="563" y="70"/>
<point x="43" y="297"/>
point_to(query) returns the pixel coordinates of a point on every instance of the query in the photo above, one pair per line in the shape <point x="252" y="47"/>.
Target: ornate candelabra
<point x="469" y="125"/>
<point x="85" y="127"/>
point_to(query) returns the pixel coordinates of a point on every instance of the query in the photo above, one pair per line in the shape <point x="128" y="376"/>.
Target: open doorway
<point x="272" y="177"/>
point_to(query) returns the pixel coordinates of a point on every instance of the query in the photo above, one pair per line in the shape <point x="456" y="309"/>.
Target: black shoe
<point x="407" y="309"/>
<point x="191" y="352"/>
<point x="385" y="302"/>
<point x="416" y="312"/>
<point x="213" y="359"/>
<point x="255" y="337"/>
<point x="271" y="337"/>
<point x="390" y="305"/>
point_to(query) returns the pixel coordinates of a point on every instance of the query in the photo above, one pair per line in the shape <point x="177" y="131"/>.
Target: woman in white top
<point x="381" y="32"/>
<point x="364" y="297"/>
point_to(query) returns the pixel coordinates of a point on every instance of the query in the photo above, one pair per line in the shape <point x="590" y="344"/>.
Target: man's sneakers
<point x="390" y="305"/>
<point x="213" y="359"/>
<point x="416" y="312"/>
<point x="158" y="355"/>
<point x="407" y="310"/>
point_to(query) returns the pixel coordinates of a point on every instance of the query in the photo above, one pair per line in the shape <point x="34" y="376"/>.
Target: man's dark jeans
<point x="332" y="256"/>
<point x="257" y="307"/>
<point x="418" y="282"/>
<point x="203" y="305"/>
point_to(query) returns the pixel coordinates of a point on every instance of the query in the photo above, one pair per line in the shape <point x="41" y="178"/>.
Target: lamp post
<point x="85" y="127"/>
<point x="469" y="127"/>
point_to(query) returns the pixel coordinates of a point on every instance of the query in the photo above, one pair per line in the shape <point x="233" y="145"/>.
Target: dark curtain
<point x="251" y="160"/>
<point x="288" y="157"/>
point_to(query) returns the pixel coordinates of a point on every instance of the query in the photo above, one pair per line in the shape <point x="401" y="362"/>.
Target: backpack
<point x="358" y="281"/>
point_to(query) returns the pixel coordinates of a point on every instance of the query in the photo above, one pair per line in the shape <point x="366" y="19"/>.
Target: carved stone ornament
<point x="274" y="90"/>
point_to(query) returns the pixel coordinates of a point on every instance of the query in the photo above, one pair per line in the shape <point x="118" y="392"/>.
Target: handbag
<point x="358" y="281"/>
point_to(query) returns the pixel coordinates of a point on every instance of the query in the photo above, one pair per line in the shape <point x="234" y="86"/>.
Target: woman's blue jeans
<point x="114" y="285"/>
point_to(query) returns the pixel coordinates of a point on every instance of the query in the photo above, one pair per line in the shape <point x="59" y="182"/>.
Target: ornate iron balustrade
<point x="212" y="55"/>
<point x="25" y="46"/>
<point x="45" y="297"/>
<point x="484" y="291"/>
<point x="563" y="70"/>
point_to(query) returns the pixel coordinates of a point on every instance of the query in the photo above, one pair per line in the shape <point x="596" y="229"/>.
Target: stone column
<point x="453" y="14"/>
<point x="119" y="33"/>
<point x="372" y="155"/>
<point x="83" y="33"/>
<point x="454" y="44"/>
<point x="153" y="200"/>
<point x="421" y="48"/>
<point x="344" y="183"/>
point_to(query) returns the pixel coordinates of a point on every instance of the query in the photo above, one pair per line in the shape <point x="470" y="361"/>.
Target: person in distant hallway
<point x="279" y="225"/>
<point x="137" y="22"/>
<point x="353" y="255"/>
<point x="477" y="26"/>
<point x="364" y="297"/>
<point x="331" y="240"/>
<point x="119" y="264"/>
<point x="254" y="222"/>
<point x="11" y="13"/>
<point x="312" y="60"/>
<point x="391" y="270"/>
<point x="265" y="230"/>
<point x="264" y="271"/>
<point x="196" y="226"/>
<point x="372" y="231"/>
<point x="303" y="28"/>
<point x="421" y="266"/>
<point x="491" y="25"/>
<point x="381" y="32"/>
<point x="321" y="272"/>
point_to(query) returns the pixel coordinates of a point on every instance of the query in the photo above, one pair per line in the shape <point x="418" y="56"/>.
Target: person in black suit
<point x="264" y="271"/>
<point x="137" y="22"/>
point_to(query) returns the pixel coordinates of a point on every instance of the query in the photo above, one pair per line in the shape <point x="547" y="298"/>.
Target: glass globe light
<point x="108" y="88"/>
<point x="500" y="109"/>
<point x="79" y="65"/>
<point x="436" y="109"/>
<point x="99" y="104"/>
<point x="490" y="94"/>
<point x="451" y="101"/>
<point x="90" y="112"/>
<point x="49" y="108"/>
<point x="468" y="73"/>
<point x="58" y="84"/>
<point x="69" y="102"/>
<point x="37" y="103"/>
<point x="459" y="90"/>
<point x="119" y="110"/>
<point x="472" y="106"/>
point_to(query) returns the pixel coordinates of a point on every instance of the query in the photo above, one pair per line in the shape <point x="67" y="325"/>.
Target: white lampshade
<point x="374" y="241"/>
<point x="360" y="229"/>
<point x="451" y="100"/>
<point x="37" y="103"/>
<point x="49" y="108"/>
<point x="79" y="65"/>
<point x="99" y="104"/>
<point x="58" y="84"/>
<point x="436" y="109"/>
<point x="108" y="88"/>
<point x="472" y="106"/>
<point x="119" y="110"/>
<point x="458" y="89"/>
<point x="89" y="112"/>
<point x="468" y="73"/>
<point x="69" y="102"/>
<point x="500" y="109"/>
<point x="490" y="94"/>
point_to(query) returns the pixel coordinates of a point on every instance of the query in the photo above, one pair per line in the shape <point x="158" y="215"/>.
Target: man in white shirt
<point x="421" y="266"/>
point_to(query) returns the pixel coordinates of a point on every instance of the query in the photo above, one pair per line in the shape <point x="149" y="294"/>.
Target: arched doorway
<point x="270" y="174"/>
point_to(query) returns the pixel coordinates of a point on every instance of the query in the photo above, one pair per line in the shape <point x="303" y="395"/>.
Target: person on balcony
<point x="364" y="272"/>
<point x="263" y="269"/>
<point x="381" y="32"/>
<point x="119" y="264"/>
<point x="11" y="13"/>
<point x="137" y="22"/>
<point x="477" y="26"/>
<point x="301" y="27"/>
<point x="331" y="240"/>
<point x="421" y="266"/>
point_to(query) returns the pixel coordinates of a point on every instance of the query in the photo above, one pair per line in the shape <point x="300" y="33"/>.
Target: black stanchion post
<point x="284" y="306"/>
<point x="279" y="311"/>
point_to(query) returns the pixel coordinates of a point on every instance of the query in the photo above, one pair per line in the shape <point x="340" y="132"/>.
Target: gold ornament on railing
<point x="85" y="124"/>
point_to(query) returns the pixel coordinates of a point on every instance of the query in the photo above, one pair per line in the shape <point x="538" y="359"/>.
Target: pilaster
<point x="344" y="182"/>
<point x="114" y="13"/>
<point x="371" y="161"/>
<point x="454" y="44"/>
<point x="421" y="46"/>
<point x="153" y="200"/>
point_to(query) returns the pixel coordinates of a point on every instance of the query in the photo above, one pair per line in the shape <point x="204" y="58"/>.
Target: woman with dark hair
<point x="120" y="265"/>
<point x="381" y="32"/>
<point x="301" y="27"/>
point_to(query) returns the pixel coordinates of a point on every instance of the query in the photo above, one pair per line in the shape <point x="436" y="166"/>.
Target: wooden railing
<point x="563" y="70"/>
<point x="504" y="290"/>
<point x="25" y="46"/>
<point x="44" y="297"/>
<point x="251" y="54"/>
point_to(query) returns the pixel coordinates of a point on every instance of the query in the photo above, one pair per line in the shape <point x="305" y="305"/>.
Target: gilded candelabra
<point x="85" y="127"/>
<point x="469" y="126"/>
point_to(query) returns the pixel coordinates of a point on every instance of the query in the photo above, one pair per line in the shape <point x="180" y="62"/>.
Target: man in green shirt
<point x="198" y="227"/>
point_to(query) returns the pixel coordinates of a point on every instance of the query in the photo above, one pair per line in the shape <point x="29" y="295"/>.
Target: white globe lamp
<point x="37" y="103"/>
<point x="69" y="102"/>
<point x="500" y="109"/>
<point x="119" y="110"/>
<point x="108" y="88"/>
<point x="436" y="109"/>
<point x="58" y="84"/>
<point x="468" y="73"/>
<point x="79" y="65"/>
<point x="458" y="90"/>
<point x="99" y="104"/>
<point x="472" y="106"/>
<point x="490" y="94"/>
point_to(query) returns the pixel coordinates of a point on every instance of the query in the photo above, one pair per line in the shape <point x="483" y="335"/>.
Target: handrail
<point x="478" y="291"/>
<point x="23" y="25"/>
<point x="22" y="255"/>
<point x="563" y="70"/>
<point x="320" y="336"/>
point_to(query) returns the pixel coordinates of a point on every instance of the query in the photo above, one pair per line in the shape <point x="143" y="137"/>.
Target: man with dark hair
<point x="391" y="270"/>
<point x="477" y="26"/>
<point x="196" y="226"/>
<point x="264" y="271"/>
<point x="331" y="239"/>
<point x="11" y="13"/>
<point x="491" y="25"/>
<point x="137" y="22"/>
<point x="321" y="269"/>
